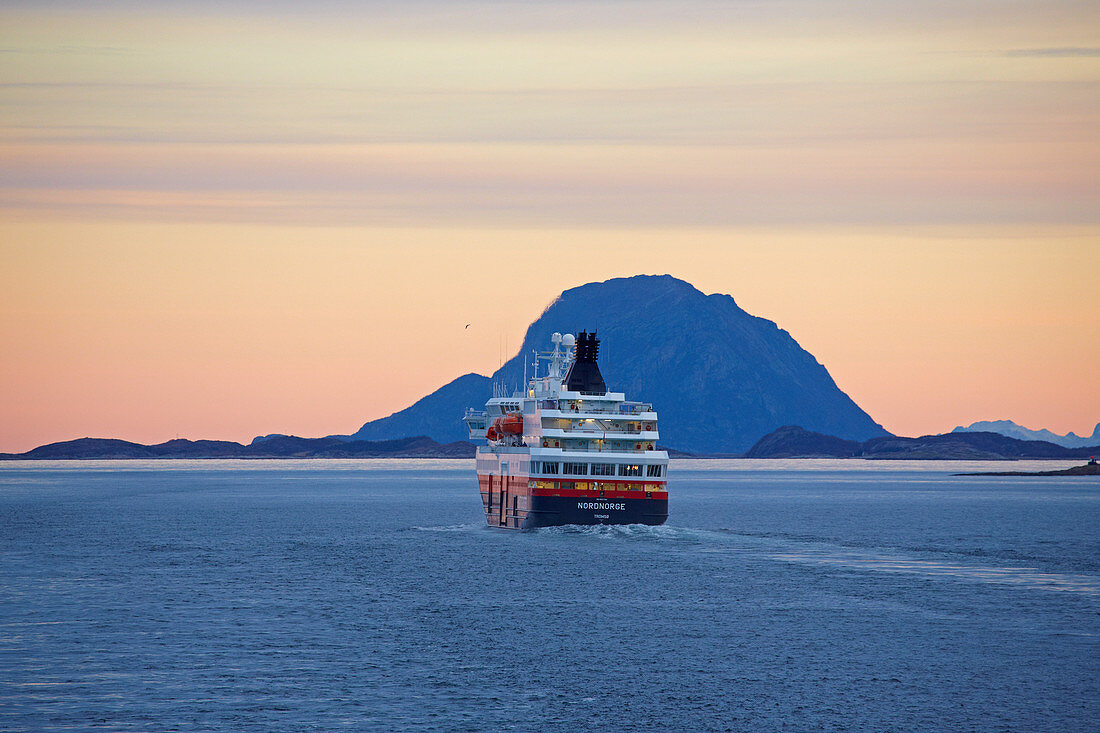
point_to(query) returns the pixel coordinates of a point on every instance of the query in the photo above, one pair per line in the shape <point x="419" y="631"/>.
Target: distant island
<point x="285" y="446"/>
<point x="1092" y="468"/>
<point x="792" y="441"/>
<point x="1013" y="430"/>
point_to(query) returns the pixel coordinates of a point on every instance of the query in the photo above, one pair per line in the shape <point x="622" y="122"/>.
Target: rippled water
<point x="325" y="595"/>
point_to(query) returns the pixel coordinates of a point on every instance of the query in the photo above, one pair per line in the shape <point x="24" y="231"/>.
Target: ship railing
<point x="605" y="449"/>
<point x="567" y="432"/>
<point x="587" y="410"/>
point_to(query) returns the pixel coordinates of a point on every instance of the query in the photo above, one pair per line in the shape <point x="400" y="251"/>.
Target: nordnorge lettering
<point x="601" y="505"/>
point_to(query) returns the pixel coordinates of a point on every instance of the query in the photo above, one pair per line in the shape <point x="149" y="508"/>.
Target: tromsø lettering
<point x="601" y="505"/>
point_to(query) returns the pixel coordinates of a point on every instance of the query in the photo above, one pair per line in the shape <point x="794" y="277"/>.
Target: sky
<point x="221" y="220"/>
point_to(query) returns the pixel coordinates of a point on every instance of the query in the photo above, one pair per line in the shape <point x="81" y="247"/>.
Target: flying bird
<point x="467" y="326"/>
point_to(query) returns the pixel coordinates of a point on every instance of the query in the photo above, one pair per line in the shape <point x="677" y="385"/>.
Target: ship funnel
<point x="584" y="374"/>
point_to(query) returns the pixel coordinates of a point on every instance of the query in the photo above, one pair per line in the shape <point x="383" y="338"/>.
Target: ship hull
<point x="516" y="502"/>
<point x="554" y="511"/>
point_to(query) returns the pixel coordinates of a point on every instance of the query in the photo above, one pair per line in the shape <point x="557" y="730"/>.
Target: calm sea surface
<point x="368" y="595"/>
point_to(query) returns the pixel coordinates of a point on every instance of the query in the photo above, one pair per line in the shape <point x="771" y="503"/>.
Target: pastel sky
<point x="224" y="219"/>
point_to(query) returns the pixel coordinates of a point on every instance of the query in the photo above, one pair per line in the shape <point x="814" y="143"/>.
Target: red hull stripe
<point x="593" y="493"/>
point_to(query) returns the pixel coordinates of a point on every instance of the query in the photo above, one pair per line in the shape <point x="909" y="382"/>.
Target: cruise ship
<point x="566" y="450"/>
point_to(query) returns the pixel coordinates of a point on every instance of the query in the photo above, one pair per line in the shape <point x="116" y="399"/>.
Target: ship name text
<point x="601" y="505"/>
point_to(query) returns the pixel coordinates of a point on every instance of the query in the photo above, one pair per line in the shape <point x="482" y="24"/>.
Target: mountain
<point x="438" y="415"/>
<point x="719" y="377"/>
<point x="1012" y="430"/>
<point x="281" y="446"/>
<point x="794" y="442"/>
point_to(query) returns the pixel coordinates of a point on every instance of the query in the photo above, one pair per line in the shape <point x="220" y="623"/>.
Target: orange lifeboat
<point x="512" y="423"/>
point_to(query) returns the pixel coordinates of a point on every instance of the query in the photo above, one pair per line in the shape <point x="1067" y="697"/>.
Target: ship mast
<point x="558" y="358"/>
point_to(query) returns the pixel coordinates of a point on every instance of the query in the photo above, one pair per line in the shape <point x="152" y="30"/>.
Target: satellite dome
<point x="555" y="338"/>
<point x="568" y="340"/>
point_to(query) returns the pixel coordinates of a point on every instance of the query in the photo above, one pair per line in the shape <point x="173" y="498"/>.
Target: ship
<point x="564" y="450"/>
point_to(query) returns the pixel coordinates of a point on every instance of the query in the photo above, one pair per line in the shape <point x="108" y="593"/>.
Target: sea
<point x="327" y="595"/>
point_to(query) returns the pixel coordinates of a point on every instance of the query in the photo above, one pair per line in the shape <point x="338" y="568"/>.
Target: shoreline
<point x="1088" y="469"/>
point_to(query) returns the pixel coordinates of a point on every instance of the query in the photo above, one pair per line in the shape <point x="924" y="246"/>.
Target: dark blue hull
<point x="553" y="511"/>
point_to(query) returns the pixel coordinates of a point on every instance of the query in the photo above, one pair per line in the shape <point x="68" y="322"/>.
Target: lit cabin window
<point x="626" y="469"/>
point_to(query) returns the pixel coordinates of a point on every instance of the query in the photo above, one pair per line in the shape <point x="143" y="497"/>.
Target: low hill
<point x="795" y="442"/>
<point x="791" y="441"/>
<point x="282" y="446"/>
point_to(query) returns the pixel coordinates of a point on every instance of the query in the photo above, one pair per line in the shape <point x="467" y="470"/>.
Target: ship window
<point x="653" y="470"/>
<point x="549" y="468"/>
<point x="629" y="470"/>
<point x="534" y="467"/>
<point x="575" y="469"/>
<point x="603" y="469"/>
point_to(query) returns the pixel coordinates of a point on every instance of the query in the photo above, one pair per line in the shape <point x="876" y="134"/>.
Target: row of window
<point x="550" y="468"/>
<point x="596" y="485"/>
